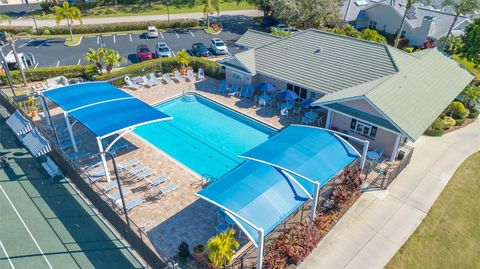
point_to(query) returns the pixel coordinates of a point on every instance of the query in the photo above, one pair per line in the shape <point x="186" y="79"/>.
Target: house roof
<point x="339" y="62"/>
<point x="411" y="99"/>
<point x="253" y="39"/>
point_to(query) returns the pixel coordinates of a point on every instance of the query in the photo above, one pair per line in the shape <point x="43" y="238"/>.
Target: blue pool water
<point x="203" y="135"/>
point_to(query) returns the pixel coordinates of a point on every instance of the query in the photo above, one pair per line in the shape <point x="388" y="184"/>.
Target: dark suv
<point x="200" y="50"/>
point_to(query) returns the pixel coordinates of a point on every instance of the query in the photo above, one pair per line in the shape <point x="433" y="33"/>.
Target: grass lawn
<point x="144" y="9"/>
<point x="470" y="67"/>
<point x="449" y="237"/>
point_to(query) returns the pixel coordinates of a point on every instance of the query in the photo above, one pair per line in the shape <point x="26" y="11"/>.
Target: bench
<point x="51" y="167"/>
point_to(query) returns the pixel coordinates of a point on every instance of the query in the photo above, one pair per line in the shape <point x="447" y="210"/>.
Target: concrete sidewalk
<point x="24" y="21"/>
<point x="380" y="222"/>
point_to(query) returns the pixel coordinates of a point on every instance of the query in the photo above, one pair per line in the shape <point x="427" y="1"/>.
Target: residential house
<point x="423" y="22"/>
<point x="369" y="90"/>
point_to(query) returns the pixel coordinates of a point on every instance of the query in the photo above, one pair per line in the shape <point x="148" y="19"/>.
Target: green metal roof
<point x="253" y="39"/>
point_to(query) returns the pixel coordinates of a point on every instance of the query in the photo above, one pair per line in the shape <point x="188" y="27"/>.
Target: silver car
<point x="163" y="51"/>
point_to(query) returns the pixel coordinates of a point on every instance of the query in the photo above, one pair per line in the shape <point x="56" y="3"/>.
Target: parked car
<point x="163" y="50"/>
<point x="143" y="53"/>
<point x="284" y="27"/>
<point x="27" y="61"/>
<point x="218" y="46"/>
<point x="199" y="50"/>
<point x="152" y="32"/>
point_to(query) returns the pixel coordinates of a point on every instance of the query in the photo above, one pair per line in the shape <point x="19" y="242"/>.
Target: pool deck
<point x="179" y="216"/>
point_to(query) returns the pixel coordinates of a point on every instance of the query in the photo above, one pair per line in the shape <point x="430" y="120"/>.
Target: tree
<point x="372" y="35"/>
<point x="471" y="43"/>
<point x="183" y="58"/>
<point x="94" y="57"/>
<point x="222" y="248"/>
<point x="471" y="96"/>
<point x="460" y="7"/>
<point x="263" y="5"/>
<point x="455" y="43"/>
<point x="111" y="58"/>
<point x="5" y="18"/>
<point x="208" y="6"/>
<point x="68" y="13"/>
<point x="11" y="42"/>
<point x="307" y="13"/>
<point x="408" y="6"/>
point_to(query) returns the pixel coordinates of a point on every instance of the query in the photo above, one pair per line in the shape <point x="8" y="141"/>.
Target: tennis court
<point x="46" y="223"/>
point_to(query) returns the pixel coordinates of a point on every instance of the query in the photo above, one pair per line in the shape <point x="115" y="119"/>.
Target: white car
<point x="152" y="32"/>
<point x="218" y="46"/>
<point x="163" y="51"/>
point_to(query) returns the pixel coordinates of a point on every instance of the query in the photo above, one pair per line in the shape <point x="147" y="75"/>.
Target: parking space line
<point x="36" y="66"/>
<point x="191" y="33"/>
<point x="6" y="254"/>
<point x="24" y="44"/>
<point x="98" y="39"/>
<point x="41" y="44"/>
<point x="114" y="40"/>
<point x="174" y="55"/>
<point x="7" y="45"/>
<point x="176" y="34"/>
<point x="79" y="60"/>
<point x="58" y="63"/>
<point x="25" y="225"/>
<point x="161" y="35"/>
<point x="130" y="35"/>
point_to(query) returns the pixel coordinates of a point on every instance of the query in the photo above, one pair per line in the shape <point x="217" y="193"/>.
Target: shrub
<point x="274" y="260"/>
<point x="437" y="124"/>
<point x="409" y="49"/>
<point x="16" y="29"/>
<point x="40" y="74"/>
<point x="461" y="121"/>
<point x="448" y="122"/>
<point x="457" y="110"/>
<point x="433" y="132"/>
<point x="45" y="5"/>
<point x="473" y="113"/>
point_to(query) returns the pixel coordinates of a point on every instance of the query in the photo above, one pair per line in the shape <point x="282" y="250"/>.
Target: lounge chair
<point x="156" y="181"/>
<point x="152" y="79"/>
<point x="166" y="190"/>
<point x="178" y="76"/>
<point x="131" y="204"/>
<point x="143" y="175"/>
<point x="131" y="84"/>
<point x="77" y="155"/>
<point x="190" y="75"/>
<point x="118" y="146"/>
<point x="56" y="82"/>
<point x="145" y="82"/>
<point x="166" y="78"/>
<point x="243" y="91"/>
<point x="200" y="73"/>
<point x="136" y="170"/>
<point x="116" y="195"/>
<point x="223" y="87"/>
<point x="250" y="91"/>
<point x="91" y="179"/>
<point x="128" y="164"/>
<point x="233" y="90"/>
<point x="110" y="186"/>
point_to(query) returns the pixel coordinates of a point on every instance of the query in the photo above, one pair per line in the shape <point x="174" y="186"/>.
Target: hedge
<point x="164" y="65"/>
<point x="102" y="28"/>
<point x="433" y="132"/>
<point x="39" y="74"/>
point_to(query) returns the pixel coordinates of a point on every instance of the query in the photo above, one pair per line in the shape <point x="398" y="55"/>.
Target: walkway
<point x="380" y="222"/>
<point x="24" y="21"/>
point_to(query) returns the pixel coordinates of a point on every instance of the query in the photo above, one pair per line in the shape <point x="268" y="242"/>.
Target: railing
<point x="133" y="234"/>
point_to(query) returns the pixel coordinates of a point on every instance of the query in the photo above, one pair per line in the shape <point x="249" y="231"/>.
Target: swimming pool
<point x="203" y="135"/>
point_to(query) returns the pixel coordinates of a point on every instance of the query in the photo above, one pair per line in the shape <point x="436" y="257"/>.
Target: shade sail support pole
<point x="260" y="248"/>
<point x="44" y="108"/>
<point x="70" y="132"/>
<point x="314" y="203"/>
<point x="118" y="138"/>
<point x="364" y="154"/>
<point x="102" y="157"/>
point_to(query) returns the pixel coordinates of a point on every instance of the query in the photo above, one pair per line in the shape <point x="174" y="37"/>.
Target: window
<point x="237" y="76"/>
<point x="372" y="25"/>
<point x="301" y="92"/>
<point x="363" y="128"/>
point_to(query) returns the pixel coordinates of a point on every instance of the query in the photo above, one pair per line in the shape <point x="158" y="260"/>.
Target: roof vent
<point x="319" y="50"/>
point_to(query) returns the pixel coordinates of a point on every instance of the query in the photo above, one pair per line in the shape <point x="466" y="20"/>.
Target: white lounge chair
<point x="156" y="181"/>
<point x="143" y="175"/>
<point x="146" y="82"/>
<point x="128" y="164"/>
<point x="223" y="87"/>
<point x="136" y="170"/>
<point x="200" y="73"/>
<point x="131" y="204"/>
<point x="152" y="79"/>
<point x="56" y="82"/>
<point x="116" y="195"/>
<point x="164" y="191"/>
<point x="178" y="76"/>
<point x="233" y="90"/>
<point x="166" y="78"/>
<point x="131" y="84"/>
<point x="190" y="75"/>
<point x="109" y="186"/>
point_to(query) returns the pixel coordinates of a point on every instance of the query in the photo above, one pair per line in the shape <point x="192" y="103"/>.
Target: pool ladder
<point x="189" y="97"/>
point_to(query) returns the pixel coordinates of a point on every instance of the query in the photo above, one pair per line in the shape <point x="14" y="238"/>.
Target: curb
<point x="219" y="31"/>
<point x="74" y="45"/>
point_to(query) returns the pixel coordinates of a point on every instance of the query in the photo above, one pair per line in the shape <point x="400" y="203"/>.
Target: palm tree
<point x="111" y="58"/>
<point x="461" y="7"/>
<point x="11" y="42"/>
<point x="407" y="8"/>
<point x="208" y="6"/>
<point x="222" y="248"/>
<point x="68" y="13"/>
<point x="94" y="57"/>
<point x="5" y="18"/>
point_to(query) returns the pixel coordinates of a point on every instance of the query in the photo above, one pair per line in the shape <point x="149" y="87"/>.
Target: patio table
<point x="372" y="155"/>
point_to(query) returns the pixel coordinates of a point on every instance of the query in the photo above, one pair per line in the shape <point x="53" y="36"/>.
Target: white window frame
<point x="237" y="76"/>
<point x="364" y="129"/>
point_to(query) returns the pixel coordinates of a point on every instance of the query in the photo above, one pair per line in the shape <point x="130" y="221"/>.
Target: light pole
<point x="168" y="10"/>
<point x="4" y="64"/>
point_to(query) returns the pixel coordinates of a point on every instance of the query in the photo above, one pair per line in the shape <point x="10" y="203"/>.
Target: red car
<point x="143" y="53"/>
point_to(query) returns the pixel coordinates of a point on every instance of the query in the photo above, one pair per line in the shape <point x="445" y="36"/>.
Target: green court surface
<point x="46" y="223"/>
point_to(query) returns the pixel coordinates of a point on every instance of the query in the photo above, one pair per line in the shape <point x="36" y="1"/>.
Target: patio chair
<point x="143" y="175"/>
<point x="284" y="112"/>
<point x="200" y="73"/>
<point x="271" y="102"/>
<point x="118" y="146"/>
<point x="136" y="170"/>
<point x="178" y="76"/>
<point x="166" y="190"/>
<point x="250" y="91"/>
<point x="110" y="186"/>
<point x="166" y="78"/>
<point x="152" y="79"/>
<point x="305" y="120"/>
<point x="145" y="82"/>
<point x="156" y="181"/>
<point x="131" y="84"/>
<point x="91" y="179"/>
<point x="190" y="75"/>
<point x="128" y="164"/>
<point x="379" y="151"/>
<point x="296" y="110"/>
<point x="233" y="90"/>
<point x="223" y="87"/>
<point x="116" y="195"/>
<point x="243" y="91"/>
<point x="318" y="121"/>
<point x="131" y="204"/>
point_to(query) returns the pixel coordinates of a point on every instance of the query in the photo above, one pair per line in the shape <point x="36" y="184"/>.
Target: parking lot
<point x="53" y="52"/>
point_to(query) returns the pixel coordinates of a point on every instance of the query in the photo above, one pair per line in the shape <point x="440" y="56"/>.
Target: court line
<point x="25" y="225"/>
<point x="41" y="44"/>
<point x="6" y="254"/>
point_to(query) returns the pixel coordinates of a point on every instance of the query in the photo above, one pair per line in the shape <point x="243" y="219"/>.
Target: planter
<point x="183" y="71"/>
<point x="199" y="251"/>
<point x="33" y="114"/>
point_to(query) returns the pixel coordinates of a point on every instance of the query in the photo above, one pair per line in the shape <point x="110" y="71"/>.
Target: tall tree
<point x="209" y="6"/>
<point x="68" y="13"/>
<point x="307" y="13"/>
<point x="460" y="7"/>
<point x="11" y="42"/>
<point x="471" y="43"/>
<point x="408" y="6"/>
<point x="263" y="5"/>
<point x="94" y="57"/>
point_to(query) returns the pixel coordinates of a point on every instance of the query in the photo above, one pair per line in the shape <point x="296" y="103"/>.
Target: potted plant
<point x="31" y="108"/>
<point x="199" y="250"/>
<point x="182" y="60"/>
<point x="222" y="247"/>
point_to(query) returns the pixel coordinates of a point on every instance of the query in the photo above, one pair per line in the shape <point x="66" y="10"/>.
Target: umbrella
<point x="288" y="95"/>
<point x="307" y="102"/>
<point x="266" y="87"/>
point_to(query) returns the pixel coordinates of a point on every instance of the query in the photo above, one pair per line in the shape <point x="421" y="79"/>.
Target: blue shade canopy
<point x="258" y="193"/>
<point x="83" y="94"/>
<point x="266" y="87"/>
<point x="287" y="95"/>
<point x="313" y="153"/>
